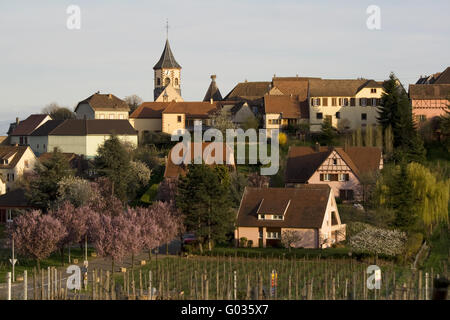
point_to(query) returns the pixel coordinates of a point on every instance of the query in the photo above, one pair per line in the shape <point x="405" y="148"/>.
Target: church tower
<point x="167" y="76"/>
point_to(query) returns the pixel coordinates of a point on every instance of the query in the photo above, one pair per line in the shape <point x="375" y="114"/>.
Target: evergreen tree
<point x="328" y="134"/>
<point x="113" y="161"/>
<point x="43" y="186"/>
<point x="204" y="198"/>
<point x="396" y="112"/>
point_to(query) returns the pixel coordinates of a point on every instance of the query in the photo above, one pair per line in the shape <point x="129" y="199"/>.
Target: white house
<point x="14" y="162"/>
<point x="102" y="106"/>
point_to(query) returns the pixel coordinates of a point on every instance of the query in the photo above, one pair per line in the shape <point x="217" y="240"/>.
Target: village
<point x="361" y="178"/>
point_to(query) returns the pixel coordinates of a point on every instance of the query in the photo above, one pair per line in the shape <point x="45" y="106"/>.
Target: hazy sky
<point x="41" y="61"/>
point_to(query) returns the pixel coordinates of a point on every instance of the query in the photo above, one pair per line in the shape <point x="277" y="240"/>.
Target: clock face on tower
<point x="166" y="72"/>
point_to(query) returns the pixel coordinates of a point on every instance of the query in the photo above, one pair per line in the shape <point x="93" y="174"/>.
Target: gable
<point x="328" y="164"/>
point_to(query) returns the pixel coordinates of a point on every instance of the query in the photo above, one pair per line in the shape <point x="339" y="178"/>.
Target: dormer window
<point x="261" y="217"/>
<point x="373" y="90"/>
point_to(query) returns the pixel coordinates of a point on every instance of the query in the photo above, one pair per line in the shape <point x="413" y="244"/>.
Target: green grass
<point x="54" y="260"/>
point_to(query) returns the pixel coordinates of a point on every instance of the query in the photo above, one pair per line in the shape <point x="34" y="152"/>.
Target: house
<point x="429" y="100"/>
<point x="346" y="104"/>
<point x="249" y="91"/>
<point x="281" y="111"/>
<point x="430" y="96"/>
<point x="148" y="117"/>
<point x="102" y="106"/>
<point x="12" y="204"/>
<point x="21" y="130"/>
<point x="239" y="111"/>
<point x="181" y="115"/>
<point x="208" y="153"/>
<point x="265" y="214"/>
<point x="343" y="169"/>
<point x="38" y="139"/>
<point x="14" y="162"/>
<point x="83" y="137"/>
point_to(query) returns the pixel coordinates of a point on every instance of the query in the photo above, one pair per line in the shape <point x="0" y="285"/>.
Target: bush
<point x="413" y="244"/>
<point x="250" y="244"/>
<point x="379" y="241"/>
<point x="243" y="242"/>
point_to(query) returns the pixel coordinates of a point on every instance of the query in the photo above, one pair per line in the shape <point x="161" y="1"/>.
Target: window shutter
<point x="325" y="102"/>
<point x="321" y="177"/>
<point x="352" y="102"/>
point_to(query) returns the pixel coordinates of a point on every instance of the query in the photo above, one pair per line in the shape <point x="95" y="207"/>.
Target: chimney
<point x="213" y="77"/>
<point x="110" y="96"/>
<point x="17" y="120"/>
<point x="317" y="147"/>
<point x="346" y="145"/>
<point x="211" y="100"/>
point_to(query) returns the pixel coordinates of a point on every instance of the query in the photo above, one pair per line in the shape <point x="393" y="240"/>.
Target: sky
<point x="119" y="42"/>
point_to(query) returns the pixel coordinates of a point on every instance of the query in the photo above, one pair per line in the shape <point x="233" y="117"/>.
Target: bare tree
<point x="133" y="102"/>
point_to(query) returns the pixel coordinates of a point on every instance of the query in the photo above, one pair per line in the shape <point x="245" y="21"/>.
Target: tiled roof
<point x="429" y="91"/>
<point x="339" y="88"/>
<point x="15" y="199"/>
<point x="291" y="108"/>
<point x="306" y="209"/>
<point x="174" y="171"/>
<point x="249" y="91"/>
<point x="81" y="127"/>
<point x="8" y="151"/>
<point x="28" y="125"/>
<point x="444" y="77"/>
<point x="167" y="59"/>
<point x="302" y="162"/>
<point x="192" y="109"/>
<point x="149" y="110"/>
<point x="105" y="102"/>
<point x="46" y="128"/>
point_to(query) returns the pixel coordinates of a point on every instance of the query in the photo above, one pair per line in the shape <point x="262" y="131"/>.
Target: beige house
<point x="22" y="129"/>
<point x="347" y="104"/>
<point x="266" y="214"/>
<point x="83" y="137"/>
<point x="14" y="162"/>
<point x="102" y="106"/>
<point x="148" y="117"/>
<point x="343" y="169"/>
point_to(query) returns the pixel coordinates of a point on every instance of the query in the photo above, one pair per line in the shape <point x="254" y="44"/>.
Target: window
<point x="26" y="163"/>
<point x="374" y="102"/>
<point x="166" y="81"/>
<point x="364" y="116"/>
<point x="333" y="102"/>
<point x="277" y="217"/>
<point x="346" y="194"/>
<point x="179" y="118"/>
<point x="102" y="116"/>
<point x="421" y="118"/>
<point x="325" y="102"/>
<point x="260" y="234"/>
<point x="363" y="102"/>
<point x="373" y="90"/>
<point x="158" y="81"/>
<point x="338" y="115"/>
<point x="176" y="81"/>
<point x="37" y="146"/>
<point x="334" y="161"/>
<point x="315" y="102"/>
<point x="319" y="115"/>
<point x="26" y="140"/>
<point x="273" y="235"/>
<point x="120" y="116"/>
<point x="43" y="146"/>
<point x="111" y="116"/>
<point x="21" y="140"/>
<point x="343" y="177"/>
<point x="12" y="176"/>
<point x="352" y="102"/>
<point x="343" y="102"/>
<point x="261" y="216"/>
<point x="326" y="177"/>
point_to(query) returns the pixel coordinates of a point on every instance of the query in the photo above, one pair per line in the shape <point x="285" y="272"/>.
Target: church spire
<point x="167" y="59"/>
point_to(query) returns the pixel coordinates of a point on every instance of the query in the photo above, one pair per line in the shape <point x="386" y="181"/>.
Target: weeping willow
<point x="430" y="193"/>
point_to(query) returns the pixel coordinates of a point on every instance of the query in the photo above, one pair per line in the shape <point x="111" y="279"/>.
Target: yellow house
<point x="266" y="215"/>
<point x="102" y="106"/>
<point x="347" y="104"/>
<point x="14" y="162"/>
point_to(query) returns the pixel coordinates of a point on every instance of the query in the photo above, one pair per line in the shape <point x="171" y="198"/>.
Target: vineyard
<point x="229" y="278"/>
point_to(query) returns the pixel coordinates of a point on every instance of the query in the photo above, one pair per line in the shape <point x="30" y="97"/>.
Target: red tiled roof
<point x="105" y="102"/>
<point x="150" y="110"/>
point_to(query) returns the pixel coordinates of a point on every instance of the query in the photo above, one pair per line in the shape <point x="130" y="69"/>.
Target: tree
<point x="103" y="198"/>
<point x="418" y="197"/>
<point x="368" y="137"/>
<point x="237" y="187"/>
<point x="396" y="111"/>
<point x="256" y="180"/>
<point x="205" y="201"/>
<point x="221" y="120"/>
<point x="74" y="219"/>
<point x="291" y="238"/>
<point x="139" y="178"/>
<point x="43" y="189"/>
<point x="250" y="123"/>
<point x="133" y="101"/>
<point x="148" y="155"/>
<point x="167" y="190"/>
<point x="36" y="235"/>
<point x="444" y="125"/>
<point x="113" y="161"/>
<point x="327" y="134"/>
<point x="74" y="190"/>
<point x="134" y="235"/>
<point x="57" y="112"/>
<point x="169" y="219"/>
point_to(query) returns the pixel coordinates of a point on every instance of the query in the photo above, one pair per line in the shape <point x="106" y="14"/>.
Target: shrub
<point x="250" y="243"/>
<point x="413" y="244"/>
<point x="243" y="242"/>
<point x="379" y="241"/>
